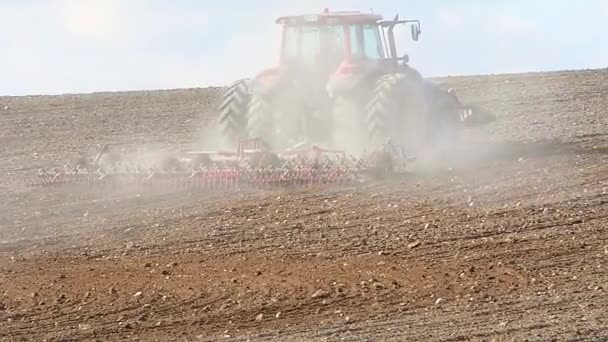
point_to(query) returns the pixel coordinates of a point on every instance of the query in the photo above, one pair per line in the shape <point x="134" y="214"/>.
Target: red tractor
<point x="340" y="82"/>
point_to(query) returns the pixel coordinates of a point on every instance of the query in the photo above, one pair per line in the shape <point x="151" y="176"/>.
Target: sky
<point x="75" y="46"/>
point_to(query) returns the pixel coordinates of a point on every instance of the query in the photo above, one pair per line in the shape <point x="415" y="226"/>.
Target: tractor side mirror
<point x="416" y="31"/>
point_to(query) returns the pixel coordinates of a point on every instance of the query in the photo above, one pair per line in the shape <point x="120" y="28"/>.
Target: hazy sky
<point x="58" y="46"/>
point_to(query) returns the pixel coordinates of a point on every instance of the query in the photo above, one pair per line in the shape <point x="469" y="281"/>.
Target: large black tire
<point x="260" y="119"/>
<point x="233" y="112"/>
<point x="397" y="110"/>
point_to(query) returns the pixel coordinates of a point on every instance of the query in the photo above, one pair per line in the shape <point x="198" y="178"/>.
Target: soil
<point x="505" y="240"/>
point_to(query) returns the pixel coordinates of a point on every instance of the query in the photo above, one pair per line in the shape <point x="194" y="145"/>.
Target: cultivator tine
<point x="301" y="168"/>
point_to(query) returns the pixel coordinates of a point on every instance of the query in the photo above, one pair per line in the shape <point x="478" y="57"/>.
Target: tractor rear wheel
<point x="397" y="110"/>
<point x="233" y="112"/>
<point x="260" y="119"/>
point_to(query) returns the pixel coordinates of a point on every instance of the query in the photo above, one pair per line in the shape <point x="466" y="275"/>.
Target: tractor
<point x="340" y="82"/>
<point x="340" y="88"/>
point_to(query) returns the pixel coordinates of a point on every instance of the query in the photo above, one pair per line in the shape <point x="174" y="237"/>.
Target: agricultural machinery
<point x="340" y="84"/>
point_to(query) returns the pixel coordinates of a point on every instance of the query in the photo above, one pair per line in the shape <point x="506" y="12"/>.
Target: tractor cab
<point x="325" y="41"/>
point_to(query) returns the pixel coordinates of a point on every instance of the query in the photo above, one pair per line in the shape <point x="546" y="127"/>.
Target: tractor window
<point x="290" y="43"/>
<point x="365" y="42"/>
<point x="356" y="42"/>
<point x="373" y="43"/>
<point x="301" y="44"/>
<point x="333" y="45"/>
<point x="310" y="44"/>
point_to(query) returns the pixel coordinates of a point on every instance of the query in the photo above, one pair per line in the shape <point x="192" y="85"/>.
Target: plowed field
<point x="504" y="241"/>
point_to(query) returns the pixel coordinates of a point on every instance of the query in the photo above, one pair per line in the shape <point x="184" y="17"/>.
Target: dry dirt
<point x="506" y="241"/>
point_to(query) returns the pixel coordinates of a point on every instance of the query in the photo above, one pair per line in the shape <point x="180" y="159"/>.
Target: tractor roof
<point x="347" y="17"/>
